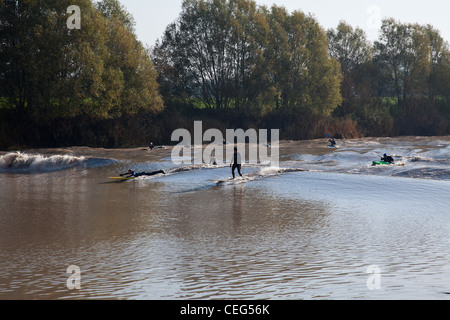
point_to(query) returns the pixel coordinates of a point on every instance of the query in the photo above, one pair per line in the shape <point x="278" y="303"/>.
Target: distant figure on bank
<point x="387" y="158"/>
<point x="151" y="146"/>
<point x="132" y="173"/>
<point x="236" y="163"/>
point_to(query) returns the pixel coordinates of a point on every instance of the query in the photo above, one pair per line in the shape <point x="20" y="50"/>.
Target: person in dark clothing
<point x="332" y="142"/>
<point x="236" y="163"/>
<point x="387" y="158"/>
<point x="132" y="173"/>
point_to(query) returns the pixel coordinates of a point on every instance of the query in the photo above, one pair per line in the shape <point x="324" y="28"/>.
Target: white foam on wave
<point x="269" y="170"/>
<point x="420" y="158"/>
<point x="18" y="161"/>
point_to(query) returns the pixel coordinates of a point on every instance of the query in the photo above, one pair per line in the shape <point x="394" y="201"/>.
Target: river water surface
<point x="314" y="228"/>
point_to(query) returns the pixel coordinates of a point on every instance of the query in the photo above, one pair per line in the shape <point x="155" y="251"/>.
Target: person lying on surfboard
<point x="132" y="173"/>
<point x="236" y="163"/>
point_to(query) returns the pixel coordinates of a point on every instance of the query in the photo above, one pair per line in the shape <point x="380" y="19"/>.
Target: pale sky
<point x="152" y="16"/>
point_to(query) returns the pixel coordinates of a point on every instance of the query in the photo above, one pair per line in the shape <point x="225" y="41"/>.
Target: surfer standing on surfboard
<point x="237" y="162"/>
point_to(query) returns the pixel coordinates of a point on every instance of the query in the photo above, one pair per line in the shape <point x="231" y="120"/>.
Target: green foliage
<point x="230" y="63"/>
<point x="49" y="71"/>
<point x="354" y="53"/>
<point x="402" y="54"/>
<point x="235" y="55"/>
<point x="114" y="10"/>
<point x="302" y="76"/>
<point x="398" y="85"/>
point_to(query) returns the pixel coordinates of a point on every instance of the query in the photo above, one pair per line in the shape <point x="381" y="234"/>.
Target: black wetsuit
<point x="134" y="174"/>
<point x="236" y="164"/>
<point x="387" y="159"/>
<point x="149" y="173"/>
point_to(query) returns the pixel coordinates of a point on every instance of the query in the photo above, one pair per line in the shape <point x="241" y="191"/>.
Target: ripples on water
<point x="294" y="235"/>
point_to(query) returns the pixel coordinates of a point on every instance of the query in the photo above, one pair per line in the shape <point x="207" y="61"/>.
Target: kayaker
<point x="387" y="158"/>
<point x="332" y="142"/>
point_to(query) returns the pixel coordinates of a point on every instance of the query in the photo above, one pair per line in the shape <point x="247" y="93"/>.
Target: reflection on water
<point x="298" y="235"/>
<point x="216" y="243"/>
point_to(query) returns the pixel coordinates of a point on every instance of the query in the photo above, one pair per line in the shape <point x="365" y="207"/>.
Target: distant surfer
<point x="131" y="173"/>
<point x="332" y="142"/>
<point x="237" y="162"/>
<point x="387" y="158"/>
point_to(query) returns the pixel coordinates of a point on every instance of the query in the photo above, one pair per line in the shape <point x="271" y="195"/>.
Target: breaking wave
<point x="24" y="162"/>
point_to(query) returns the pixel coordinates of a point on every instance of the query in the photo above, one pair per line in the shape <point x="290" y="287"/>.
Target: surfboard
<point x="222" y="180"/>
<point x="121" y="178"/>
<point x="226" y="180"/>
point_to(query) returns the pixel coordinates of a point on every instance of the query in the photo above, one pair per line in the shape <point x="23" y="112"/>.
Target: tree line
<point x="400" y="84"/>
<point x="72" y="86"/>
<point x="230" y="63"/>
<point x="249" y="64"/>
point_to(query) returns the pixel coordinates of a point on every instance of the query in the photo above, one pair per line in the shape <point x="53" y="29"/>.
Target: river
<point x="325" y="224"/>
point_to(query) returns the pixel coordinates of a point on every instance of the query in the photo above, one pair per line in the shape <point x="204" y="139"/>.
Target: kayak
<point x="374" y="163"/>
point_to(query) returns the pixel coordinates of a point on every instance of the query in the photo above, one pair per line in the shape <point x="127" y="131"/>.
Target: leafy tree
<point x="354" y="52"/>
<point x="439" y="78"/>
<point x="129" y="78"/>
<point x="249" y="30"/>
<point x="232" y="54"/>
<point x="113" y="9"/>
<point x="49" y="71"/>
<point x="303" y="76"/>
<point x="213" y="52"/>
<point x="402" y="54"/>
<point x="413" y="64"/>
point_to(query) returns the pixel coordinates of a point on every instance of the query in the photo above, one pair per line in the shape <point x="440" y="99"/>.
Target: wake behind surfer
<point x="236" y="163"/>
<point x="131" y="173"/>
